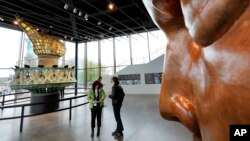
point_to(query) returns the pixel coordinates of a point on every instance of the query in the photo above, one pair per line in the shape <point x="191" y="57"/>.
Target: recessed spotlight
<point x="1" y="19"/>
<point x="74" y="10"/>
<point x="71" y="38"/>
<point x="15" y="22"/>
<point x="111" y="6"/>
<point x="110" y="28"/>
<point x="99" y="23"/>
<point x="65" y="37"/>
<point x="51" y="26"/>
<point x="86" y="16"/>
<point x="37" y="29"/>
<point x="66" y="6"/>
<point x="80" y="13"/>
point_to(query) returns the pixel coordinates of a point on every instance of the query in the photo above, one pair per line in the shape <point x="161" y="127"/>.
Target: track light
<point x="1" y="19"/>
<point x="74" y="10"/>
<point x="15" y="22"/>
<point x="111" y="6"/>
<point x="101" y="35"/>
<point x="99" y="23"/>
<point x="66" y="6"/>
<point x="86" y="16"/>
<point x="80" y="13"/>
<point x="110" y="28"/>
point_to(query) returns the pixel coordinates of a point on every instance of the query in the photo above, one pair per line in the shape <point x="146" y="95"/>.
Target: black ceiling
<point x="129" y="17"/>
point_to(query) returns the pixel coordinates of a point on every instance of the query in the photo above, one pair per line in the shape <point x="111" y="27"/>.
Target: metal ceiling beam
<point x="133" y="21"/>
<point x="39" y="25"/>
<point x="143" y="13"/>
<point x="73" y="22"/>
<point x="85" y="1"/>
<point x="59" y="23"/>
<point x="80" y="18"/>
<point x="108" y="11"/>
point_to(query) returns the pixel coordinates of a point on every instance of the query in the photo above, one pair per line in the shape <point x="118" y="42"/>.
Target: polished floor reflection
<point x="140" y="116"/>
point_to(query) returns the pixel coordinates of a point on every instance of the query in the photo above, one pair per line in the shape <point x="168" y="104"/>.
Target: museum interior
<point x="182" y="65"/>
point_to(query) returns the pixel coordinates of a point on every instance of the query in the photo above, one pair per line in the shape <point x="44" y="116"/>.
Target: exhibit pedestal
<point x="44" y="108"/>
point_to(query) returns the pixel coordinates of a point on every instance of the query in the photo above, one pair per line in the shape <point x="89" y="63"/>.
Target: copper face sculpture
<point x="206" y="77"/>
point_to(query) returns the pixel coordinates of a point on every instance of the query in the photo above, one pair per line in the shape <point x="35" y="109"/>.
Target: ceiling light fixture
<point x="66" y="6"/>
<point x="51" y="26"/>
<point x="71" y="38"/>
<point x="37" y="29"/>
<point x="111" y="6"/>
<point x="1" y="19"/>
<point x="99" y="23"/>
<point x="110" y="28"/>
<point x="65" y="36"/>
<point x="80" y="13"/>
<point x="86" y="16"/>
<point x="74" y="10"/>
<point x="15" y="22"/>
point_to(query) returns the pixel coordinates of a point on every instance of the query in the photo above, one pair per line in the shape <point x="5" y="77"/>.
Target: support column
<point x="85" y="65"/>
<point x="21" y="49"/>
<point x="114" y="55"/>
<point x="130" y="49"/>
<point x="76" y="67"/>
<point x="148" y="48"/>
<point x="99" y="58"/>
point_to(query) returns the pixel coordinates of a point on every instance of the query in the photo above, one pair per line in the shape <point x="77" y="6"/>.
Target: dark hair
<point x="99" y="78"/>
<point x="115" y="80"/>
<point x="95" y="84"/>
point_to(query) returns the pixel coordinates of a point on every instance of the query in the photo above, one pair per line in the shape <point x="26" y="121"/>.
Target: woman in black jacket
<point x="117" y="96"/>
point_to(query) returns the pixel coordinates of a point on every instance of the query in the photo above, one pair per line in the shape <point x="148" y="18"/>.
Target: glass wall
<point x="157" y="43"/>
<point x="69" y="57"/>
<point x="107" y="57"/>
<point x="81" y="55"/>
<point x="29" y="57"/>
<point x="140" y="54"/>
<point x="10" y="42"/>
<point x="122" y="51"/>
<point x="92" y="62"/>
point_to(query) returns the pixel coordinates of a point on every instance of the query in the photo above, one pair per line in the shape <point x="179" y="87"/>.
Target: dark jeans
<point x="117" y="109"/>
<point x="96" y="112"/>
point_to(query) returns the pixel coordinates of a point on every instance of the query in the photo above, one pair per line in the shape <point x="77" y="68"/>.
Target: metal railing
<point x="22" y="116"/>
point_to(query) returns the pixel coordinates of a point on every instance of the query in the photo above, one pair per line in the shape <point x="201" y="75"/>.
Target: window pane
<point x="107" y="71"/>
<point x="92" y="61"/>
<point x="80" y="78"/>
<point x="122" y="51"/>
<point x="139" y="48"/>
<point x="92" y="54"/>
<point x="107" y="57"/>
<point x="157" y="43"/>
<point x="92" y="75"/>
<point x="29" y="57"/>
<point x="70" y="54"/>
<point x="9" y="47"/>
<point x="81" y="52"/>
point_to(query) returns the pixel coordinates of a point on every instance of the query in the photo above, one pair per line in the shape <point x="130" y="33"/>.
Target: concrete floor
<point x="140" y="117"/>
